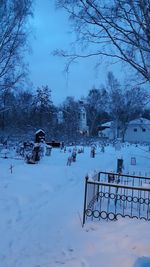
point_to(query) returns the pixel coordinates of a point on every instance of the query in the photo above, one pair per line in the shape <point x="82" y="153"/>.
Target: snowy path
<point x="41" y="208"/>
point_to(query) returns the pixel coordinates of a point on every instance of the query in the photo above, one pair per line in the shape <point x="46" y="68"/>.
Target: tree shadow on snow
<point x="142" y="262"/>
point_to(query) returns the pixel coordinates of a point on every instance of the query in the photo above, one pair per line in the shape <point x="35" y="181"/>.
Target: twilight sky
<point x="52" y="30"/>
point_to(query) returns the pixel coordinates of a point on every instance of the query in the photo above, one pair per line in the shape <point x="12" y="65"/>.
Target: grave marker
<point x="133" y="161"/>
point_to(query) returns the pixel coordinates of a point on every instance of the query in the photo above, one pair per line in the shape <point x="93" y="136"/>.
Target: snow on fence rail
<point x="110" y="196"/>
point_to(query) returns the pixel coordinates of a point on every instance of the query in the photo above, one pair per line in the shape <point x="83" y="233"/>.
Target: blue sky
<point x="51" y="30"/>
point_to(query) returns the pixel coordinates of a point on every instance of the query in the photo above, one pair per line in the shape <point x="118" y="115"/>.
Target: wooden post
<point x="85" y="197"/>
<point x="11" y="168"/>
<point x="99" y="175"/>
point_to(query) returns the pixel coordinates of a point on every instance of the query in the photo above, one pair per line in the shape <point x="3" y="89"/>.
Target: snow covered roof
<point x="40" y="130"/>
<point x="107" y="124"/>
<point x="140" y="121"/>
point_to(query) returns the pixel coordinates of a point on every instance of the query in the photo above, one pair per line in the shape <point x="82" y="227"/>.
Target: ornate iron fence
<point x="111" y="196"/>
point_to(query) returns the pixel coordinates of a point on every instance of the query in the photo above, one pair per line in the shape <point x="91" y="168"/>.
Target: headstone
<point x="48" y="150"/>
<point x="118" y="145"/>
<point x="36" y="153"/>
<point x="133" y="161"/>
<point x="119" y="165"/>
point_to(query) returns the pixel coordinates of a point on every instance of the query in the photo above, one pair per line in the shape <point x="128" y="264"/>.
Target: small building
<point x="39" y="136"/>
<point x="60" y="117"/>
<point x="105" y="130"/>
<point x="138" y="130"/>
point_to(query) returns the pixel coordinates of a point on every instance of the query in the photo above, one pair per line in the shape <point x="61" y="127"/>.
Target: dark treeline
<point x="26" y="111"/>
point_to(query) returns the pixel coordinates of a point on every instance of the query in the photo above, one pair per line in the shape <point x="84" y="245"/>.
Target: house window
<point x="83" y="115"/>
<point x="143" y="130"/>
<point x="135" y="130"/>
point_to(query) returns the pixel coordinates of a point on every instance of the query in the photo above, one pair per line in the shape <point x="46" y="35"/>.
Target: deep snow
<point x="41" y="209"/>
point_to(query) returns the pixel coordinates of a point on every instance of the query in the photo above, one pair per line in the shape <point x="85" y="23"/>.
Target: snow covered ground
<point x="41" y="209"/>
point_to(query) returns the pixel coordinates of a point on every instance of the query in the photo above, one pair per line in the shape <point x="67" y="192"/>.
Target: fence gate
<point x="111" y="196"/>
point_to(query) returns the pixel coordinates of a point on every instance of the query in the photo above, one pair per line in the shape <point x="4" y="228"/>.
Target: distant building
<point x="60" y="117"/>
<point x="106" y="130"/>
<point x="137" y="131"/>
<point x="83" y="127"/>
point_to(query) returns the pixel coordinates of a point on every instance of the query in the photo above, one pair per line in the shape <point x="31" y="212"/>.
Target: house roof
<point x="39" y="131"/>
<point x="140" y="121"/>
<point x="107" y="124"/>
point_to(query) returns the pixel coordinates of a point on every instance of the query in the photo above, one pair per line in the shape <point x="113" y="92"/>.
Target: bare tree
<point x="114" y="28"/>
<point x="97" y="107"/>
<point x="70" y="109"/>
<point x="43" y="107"/>
<point x="125" y="105"/>
<point x="13" y="33"/>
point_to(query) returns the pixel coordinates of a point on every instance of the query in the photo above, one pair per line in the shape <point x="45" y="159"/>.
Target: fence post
<point x="98" y="185"/>
<point x="85" y="196"/>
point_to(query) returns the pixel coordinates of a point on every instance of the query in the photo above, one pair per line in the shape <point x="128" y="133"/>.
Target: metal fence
<point x="111" y="196"/>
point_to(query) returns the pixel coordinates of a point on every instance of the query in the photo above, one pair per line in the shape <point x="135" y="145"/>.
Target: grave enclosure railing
<point x="111" y="196"/>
